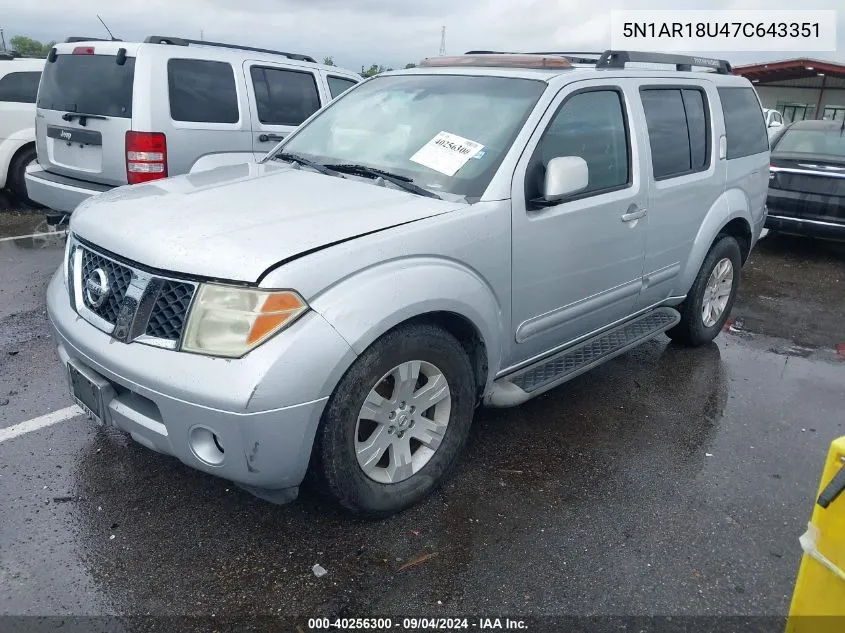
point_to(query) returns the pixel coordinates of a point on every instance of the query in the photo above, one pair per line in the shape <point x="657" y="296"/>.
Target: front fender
<point x="370" y="302"/>
<point x="732" y="204"/>
<point x="9" y="147"/>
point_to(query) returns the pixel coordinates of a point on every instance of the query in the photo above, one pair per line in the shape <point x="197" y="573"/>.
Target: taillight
<point x="83" y="50"/>
<point x="146" y="156"/>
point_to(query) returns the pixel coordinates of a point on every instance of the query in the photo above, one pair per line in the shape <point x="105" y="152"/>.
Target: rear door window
<point x="90" y="84"/>
<point x="696" y="112"/>
<point x="202" y="91"/>
<point x="678" y="130"/>
<point x="20" y="87"/>
<point x="745" y="125"/>
<point x="339" y="85"/>
<point x="284" y="97"/>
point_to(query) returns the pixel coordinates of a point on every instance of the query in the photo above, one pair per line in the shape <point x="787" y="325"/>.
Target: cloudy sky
<point x="362" y="32"/>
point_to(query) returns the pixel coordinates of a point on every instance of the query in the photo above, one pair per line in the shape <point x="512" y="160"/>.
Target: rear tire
<point x="699" y="324"/>
<point x="17" y="174"/>
<point x="379" y="403"/>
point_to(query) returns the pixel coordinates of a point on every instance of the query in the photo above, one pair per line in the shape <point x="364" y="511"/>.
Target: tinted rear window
<point x="284" y="97"/>
<point x="93" y="84"/>
<point x="697" y="127"/>
<point x="744" y="122"/>
<point x="202" y="91"/>
<point x="818" y="142"/>
<point x="677" y="130"/>
<point x="667" y="132"/>
<point x="20" y="87"/>
<point x="338" y="85"/>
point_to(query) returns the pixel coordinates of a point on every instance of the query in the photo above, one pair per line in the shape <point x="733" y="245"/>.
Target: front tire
<point x="711" y="298"/>
<point x="397" y="421"/>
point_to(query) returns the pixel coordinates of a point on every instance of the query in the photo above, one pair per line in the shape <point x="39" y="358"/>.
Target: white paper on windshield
<point x="446" y="153"/>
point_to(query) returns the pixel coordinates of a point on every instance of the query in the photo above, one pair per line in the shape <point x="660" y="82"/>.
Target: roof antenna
<point x="113" y="38"/>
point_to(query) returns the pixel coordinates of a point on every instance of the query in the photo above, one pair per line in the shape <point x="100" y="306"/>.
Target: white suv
<point x="111" y="113"/>
<point x="19" y="79"/>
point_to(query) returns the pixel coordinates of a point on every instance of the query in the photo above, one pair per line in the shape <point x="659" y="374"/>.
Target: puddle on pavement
<point x="21" y="222"/>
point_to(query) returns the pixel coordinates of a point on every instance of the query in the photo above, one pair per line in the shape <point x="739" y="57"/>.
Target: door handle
<point x="266" y="138"/>
<point x="633" y="213"/>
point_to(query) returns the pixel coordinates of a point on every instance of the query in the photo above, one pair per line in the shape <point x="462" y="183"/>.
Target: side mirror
<point x="775" y="124"/>
<point x="565" y="175"/>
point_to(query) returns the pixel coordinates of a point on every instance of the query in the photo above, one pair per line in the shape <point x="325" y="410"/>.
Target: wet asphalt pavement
<point x="668" y="481"/>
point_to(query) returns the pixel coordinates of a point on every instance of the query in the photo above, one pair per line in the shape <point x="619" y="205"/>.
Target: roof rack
<point x="499" y="60"/>
<point x="567" y="53"/>
<point x="77" y="38"/>
<point x="574" y="57"/>
<point x="618" y="59"/>
<point x="181" y="41"/>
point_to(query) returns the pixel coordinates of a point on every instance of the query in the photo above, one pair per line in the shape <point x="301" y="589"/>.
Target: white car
<point x="774" y="122"/>
<point x="19" y="79"/>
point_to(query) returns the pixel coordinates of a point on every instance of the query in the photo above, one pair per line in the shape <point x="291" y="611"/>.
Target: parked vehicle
<point x="111" y="113"/>
<point x="774" y="122"/>
<point x="807" y="180"/>
<point x="19" y="78"/>
<point x="476" y="230"/>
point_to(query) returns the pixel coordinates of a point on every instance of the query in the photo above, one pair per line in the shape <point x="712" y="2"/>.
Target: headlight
<point x="230" y="321"/>
<point x="66" y="261"/>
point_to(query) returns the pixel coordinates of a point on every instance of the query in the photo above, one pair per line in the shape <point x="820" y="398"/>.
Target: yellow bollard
<point x="818" y="602"/>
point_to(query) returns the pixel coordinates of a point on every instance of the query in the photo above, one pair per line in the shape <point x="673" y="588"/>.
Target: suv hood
<point x="235" y="222"/>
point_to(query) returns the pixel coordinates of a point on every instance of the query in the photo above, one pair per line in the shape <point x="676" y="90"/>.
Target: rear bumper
<point x="59" y="192"/>
<point x="810" y="228"/>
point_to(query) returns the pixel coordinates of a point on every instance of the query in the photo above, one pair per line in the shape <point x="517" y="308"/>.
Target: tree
<point x="328" y="61"/>
<point x="374" y="70"/>
<point x="30" y="47"/>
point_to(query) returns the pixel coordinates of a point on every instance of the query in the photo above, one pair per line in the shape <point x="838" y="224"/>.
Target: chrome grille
<point x="170" y="310"/>
<point x="118" y="276"/>
<point x="139" y="305"/>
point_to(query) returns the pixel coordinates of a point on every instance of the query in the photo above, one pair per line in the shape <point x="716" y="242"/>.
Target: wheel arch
<point x="729" y="215"/>
<point x="467" y="334"/>
<point x="371" y="303"/>
<point x="10" y="149"/>
<point x="740" y="230"/>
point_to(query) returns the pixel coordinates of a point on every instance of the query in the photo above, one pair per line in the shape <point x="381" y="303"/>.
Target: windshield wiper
<point x="296" y="158"/>
<point x="403" y="182"/>
<point x="83" y="118"/>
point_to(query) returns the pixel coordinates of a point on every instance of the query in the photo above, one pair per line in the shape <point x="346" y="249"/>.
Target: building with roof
<point x="799" y="88"/>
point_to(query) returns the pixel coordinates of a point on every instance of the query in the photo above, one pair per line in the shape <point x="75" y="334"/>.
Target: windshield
<point x="90" y="84"/>
<point x="818" y="142"/>
<point x="446" y="133"/>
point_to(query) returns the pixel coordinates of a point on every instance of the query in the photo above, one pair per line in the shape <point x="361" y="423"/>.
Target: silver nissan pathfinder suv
<point x="477" y="230"/>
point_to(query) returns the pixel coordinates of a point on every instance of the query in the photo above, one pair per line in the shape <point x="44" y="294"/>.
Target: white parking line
<point x="40" y="422"/>
<point x="23" y="237"/>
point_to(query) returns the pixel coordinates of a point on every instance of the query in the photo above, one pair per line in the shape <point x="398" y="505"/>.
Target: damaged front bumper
<point x="250" y="420"/>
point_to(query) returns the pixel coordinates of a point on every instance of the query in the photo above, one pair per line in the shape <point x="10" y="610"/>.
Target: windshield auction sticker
<point x="446" y="153"/>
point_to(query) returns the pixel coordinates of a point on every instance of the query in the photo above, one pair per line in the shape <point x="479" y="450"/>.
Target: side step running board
<point x="552" y="371"/>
